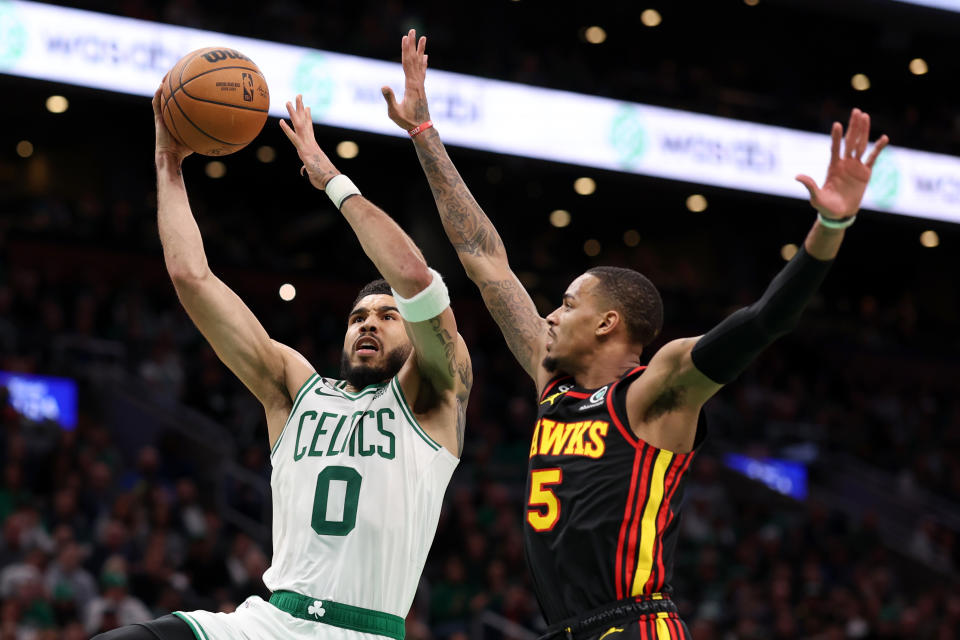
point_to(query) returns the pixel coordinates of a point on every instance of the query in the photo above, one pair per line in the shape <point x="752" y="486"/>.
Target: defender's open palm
<point x="315" y="161"/>
<point x="848" y="173"/>
<point x="413" y="110"/>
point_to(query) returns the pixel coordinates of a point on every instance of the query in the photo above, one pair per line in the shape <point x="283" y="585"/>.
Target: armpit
<point x="666" y="402"/>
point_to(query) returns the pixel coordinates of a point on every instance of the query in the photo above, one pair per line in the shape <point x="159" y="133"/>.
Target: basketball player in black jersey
<point x="613" y="439"/>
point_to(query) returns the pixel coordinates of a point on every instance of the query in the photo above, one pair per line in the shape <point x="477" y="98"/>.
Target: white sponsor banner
<point x="131" y="56"/>
<point x="949" y="5"/>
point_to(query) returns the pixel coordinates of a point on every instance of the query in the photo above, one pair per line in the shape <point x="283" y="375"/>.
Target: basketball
<point x="215" y="101"/>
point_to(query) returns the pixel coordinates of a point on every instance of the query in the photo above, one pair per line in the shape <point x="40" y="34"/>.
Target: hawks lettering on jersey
<point x="585" y="438"/>
<point x="603" y="506"/>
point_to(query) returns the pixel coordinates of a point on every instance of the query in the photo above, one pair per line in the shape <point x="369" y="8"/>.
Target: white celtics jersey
<point x="357" y="487"/>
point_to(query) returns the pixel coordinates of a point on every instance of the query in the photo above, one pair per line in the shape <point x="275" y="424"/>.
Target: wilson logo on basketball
<point x="214" y="100"/>
<point x="222" y="54"/>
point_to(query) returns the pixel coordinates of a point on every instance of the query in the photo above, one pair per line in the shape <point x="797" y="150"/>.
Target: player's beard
<point x="550" y="364"/>
<point x="363" y="375"/>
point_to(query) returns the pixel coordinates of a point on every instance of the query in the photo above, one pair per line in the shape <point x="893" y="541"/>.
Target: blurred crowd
<point x="93" y="539"/>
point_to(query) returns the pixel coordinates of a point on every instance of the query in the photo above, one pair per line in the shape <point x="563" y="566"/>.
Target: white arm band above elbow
<point x="427" y="304"/>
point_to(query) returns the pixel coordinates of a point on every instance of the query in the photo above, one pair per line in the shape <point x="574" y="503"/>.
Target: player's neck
<point x="605" y="368"/>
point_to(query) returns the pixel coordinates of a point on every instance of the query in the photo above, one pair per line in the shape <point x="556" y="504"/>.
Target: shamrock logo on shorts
<point x="316" y="609"/>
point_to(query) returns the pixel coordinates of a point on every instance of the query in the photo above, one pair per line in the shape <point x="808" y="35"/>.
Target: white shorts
<point x="257" y="619"/>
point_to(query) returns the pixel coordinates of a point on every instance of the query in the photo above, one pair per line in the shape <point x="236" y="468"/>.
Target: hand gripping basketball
<point x="166" y="143"/>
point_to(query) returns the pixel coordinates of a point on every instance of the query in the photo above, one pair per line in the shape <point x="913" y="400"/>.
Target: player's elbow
<point x="485" y="268"/>
<point x="188" y="276"/>
<point x="414" y="276"/>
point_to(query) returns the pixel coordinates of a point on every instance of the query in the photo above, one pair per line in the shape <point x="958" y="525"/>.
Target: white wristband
<point x="339" y="188"/>
<point x="427" y="304"/>
<point x="836" y="224"/>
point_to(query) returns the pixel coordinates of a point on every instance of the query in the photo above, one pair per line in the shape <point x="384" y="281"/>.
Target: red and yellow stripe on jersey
<point x="656" y="475"/>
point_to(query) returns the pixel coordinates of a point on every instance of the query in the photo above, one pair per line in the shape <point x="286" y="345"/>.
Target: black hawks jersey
<point x="602" y="505"/>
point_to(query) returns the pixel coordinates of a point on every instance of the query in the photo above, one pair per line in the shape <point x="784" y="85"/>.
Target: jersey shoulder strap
<point x="552" y="384"/>
<point x="617" y="405"/>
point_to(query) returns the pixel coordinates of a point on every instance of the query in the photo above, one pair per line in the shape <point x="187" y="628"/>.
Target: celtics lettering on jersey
<point x="357" y="487"/>
<point x="368" y="433"/>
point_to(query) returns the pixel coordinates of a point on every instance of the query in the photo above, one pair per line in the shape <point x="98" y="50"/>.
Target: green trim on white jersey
<point x="198" y="631"/>
<point x="408" y="412"/>
<point x="306" y="386"/>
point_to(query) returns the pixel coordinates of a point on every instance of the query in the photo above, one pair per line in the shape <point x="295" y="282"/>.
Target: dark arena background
<point x="826" y="501"/>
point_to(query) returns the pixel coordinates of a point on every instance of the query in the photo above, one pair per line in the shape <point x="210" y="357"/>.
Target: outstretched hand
<point x="412" y="111"/>
<point x="848" y="174"/>
<point x="166" y="143"/>
<point x="315" y="162"/>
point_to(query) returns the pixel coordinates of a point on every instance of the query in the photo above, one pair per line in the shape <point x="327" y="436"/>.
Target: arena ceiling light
<point x="918" y="66"/>
<point x="560" y="218"/>
<point x="90" y="49"/>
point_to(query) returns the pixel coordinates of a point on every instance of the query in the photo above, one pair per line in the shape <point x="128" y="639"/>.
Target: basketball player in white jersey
<point x="360" y="465"/>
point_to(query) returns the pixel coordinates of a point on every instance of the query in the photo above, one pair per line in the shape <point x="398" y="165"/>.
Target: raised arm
<point x="474" y="237"/>
<point x="221" y="316"/>
<point x="439" y="352"/>
<point x="684" y="373"/>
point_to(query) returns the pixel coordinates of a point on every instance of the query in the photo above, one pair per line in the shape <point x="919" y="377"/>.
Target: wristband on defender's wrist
<point x="836" y="223"/>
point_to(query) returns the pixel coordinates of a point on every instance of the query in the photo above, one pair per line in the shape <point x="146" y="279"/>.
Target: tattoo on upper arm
<point x="461" y="369"/>
<point x="465" y="372"/>
<point x="447" y="343"/>
<point x="665" y="403"/>
<point x="469" y="229"/>
<point x="511" y="306"/>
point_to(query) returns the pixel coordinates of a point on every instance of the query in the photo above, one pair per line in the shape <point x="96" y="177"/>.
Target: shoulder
<point x="297" y="371"/>
<point x="671" y="373"/>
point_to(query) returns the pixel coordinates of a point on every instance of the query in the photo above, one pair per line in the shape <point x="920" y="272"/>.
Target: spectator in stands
<point x="115" y="607"/>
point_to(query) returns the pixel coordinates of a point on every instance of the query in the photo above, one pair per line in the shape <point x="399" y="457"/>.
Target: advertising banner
<point x="131" y="56"/>
<point x="42" y="398"/>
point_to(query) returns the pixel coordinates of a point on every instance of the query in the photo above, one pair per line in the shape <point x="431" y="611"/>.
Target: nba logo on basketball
<point x="247" y="87"/>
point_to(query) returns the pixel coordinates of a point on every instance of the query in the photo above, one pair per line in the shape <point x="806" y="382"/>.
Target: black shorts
<point x="653" y="627"/>
<point x="631" y="619"/>
<point x="168" y="627"/>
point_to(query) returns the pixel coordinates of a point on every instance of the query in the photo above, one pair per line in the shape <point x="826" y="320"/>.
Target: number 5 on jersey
<point x="546" y="511"/>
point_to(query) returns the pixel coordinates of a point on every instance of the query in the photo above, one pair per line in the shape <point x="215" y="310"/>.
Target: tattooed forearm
<point x="515" y="314"/>
<point x="467" y="226"/>
<point x="321" y="170"/>
<point x="482" y="253"/>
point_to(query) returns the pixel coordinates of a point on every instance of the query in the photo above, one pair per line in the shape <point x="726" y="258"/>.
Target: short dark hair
<point x="634" y="296"/>
<point x="373" y="288"/>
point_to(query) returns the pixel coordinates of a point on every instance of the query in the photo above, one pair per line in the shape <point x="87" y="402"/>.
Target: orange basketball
<point x="215" y="101"/>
